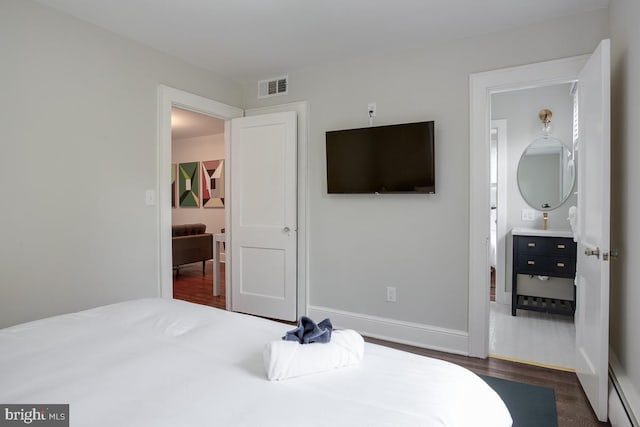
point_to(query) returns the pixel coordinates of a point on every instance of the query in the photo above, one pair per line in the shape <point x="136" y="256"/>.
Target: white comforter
<point x="160" y="362"/>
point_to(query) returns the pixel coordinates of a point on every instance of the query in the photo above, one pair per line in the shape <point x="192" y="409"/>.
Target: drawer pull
<point x="531" y="244"/>
<point x="531" y="262"/>
<point x="560" y="264"/>
<point x="561" y="246"/>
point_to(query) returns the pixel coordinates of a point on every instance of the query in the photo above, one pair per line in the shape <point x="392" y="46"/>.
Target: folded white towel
<point x="288" y="359"/>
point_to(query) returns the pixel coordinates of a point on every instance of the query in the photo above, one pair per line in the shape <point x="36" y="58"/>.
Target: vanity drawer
<point x="532" y="264"/>
<point x="531" y="245"/>
<point x="546" y="266"/>
<point x="563" y="267"/>
<point x="562" y="246"/>
<point x="545" y="245"/>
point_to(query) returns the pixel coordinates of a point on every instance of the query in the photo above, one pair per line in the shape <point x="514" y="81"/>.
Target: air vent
<point x="272" y="87"/>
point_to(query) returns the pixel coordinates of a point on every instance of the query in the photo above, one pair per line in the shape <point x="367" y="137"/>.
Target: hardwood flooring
<point x="571" y="403"/>
<point x="190" y="284"/>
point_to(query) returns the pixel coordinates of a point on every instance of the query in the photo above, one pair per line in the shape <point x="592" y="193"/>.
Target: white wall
<point x="210" y="147"/>
<point x="520" y="109"/>
<point x="625" y="227"/>
<point x="78" y="137"/>
<point x="360" y="245"/>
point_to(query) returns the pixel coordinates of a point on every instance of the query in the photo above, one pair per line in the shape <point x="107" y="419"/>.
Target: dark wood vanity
<point x="547" y="255"/>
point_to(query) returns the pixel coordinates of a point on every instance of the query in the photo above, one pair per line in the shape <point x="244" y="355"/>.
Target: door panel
<point x="262" y="150"/>
<point x="265" y="262"/>
<point x="592" y="277"/>
<point x="263" y="215"/>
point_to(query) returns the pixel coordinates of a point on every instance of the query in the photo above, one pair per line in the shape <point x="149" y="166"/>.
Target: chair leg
<point x="203" y="263"/>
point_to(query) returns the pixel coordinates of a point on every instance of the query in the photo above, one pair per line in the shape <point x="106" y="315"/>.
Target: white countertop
<point x="521" y="231"/>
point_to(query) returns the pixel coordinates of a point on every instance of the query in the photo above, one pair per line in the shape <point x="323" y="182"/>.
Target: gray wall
<point x="79" y="149"/>
<point x="79" y="132"/>
<point x="625" y="278"/>
<point x="419" y="244"/>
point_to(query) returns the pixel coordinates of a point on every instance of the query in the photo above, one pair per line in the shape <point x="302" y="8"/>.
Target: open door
<point x="263" y="215"/>
<point x="592" y="275"/>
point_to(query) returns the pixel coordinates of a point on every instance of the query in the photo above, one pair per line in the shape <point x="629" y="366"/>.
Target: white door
<point x="263" y="215"/>
<point x="592" y="281"/>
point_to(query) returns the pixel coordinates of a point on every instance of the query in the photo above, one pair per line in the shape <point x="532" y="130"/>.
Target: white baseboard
<point x="618" y="417"/>
<point x="624" y="401"/>
<point x="416" y="334"/>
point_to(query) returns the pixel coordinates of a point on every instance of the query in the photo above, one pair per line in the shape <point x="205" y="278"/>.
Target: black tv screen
<point x="381" y="159"/>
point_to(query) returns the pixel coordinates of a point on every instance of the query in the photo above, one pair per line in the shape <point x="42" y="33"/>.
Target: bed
<point x="161" y="362"/>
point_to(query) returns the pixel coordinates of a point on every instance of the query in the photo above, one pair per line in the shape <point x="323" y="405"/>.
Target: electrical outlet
<point x="391" y="294"/>
<point x="371" y="109"/>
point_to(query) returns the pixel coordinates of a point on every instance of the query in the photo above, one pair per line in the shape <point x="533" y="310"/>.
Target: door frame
<point x="170" y="97"/>
<point x="481" y="87"/>
<point x="502" y="295"/>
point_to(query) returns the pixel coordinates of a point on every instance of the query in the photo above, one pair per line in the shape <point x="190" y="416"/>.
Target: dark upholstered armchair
<point x="191" y="243"/>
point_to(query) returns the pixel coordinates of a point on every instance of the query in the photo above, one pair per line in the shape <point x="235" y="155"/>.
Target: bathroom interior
<point x="533" y="190"/>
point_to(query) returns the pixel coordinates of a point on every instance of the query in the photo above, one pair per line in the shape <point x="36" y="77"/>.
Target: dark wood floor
<point x="190" y="284"/>
<point x="572" y="405"/>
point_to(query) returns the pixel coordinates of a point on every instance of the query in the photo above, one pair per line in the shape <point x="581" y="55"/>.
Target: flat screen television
<point x="381" y="159"/>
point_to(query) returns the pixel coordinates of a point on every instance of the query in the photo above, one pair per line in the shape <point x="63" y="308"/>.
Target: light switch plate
<point x="150" y="197"/>
<point x="528" y="215"/>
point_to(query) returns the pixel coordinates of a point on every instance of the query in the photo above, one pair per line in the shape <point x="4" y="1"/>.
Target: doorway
<point x="532" y="336"/>
<point x="197" y="206"/>
<point x="482" y="87"/>
<point x="592" y="74"/>
<point x="169" y="97"/>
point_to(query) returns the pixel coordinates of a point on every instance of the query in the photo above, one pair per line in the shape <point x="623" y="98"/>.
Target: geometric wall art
<point x="189" y="184"/>
<point x="213" y="183"/>
<point x="174" y="184"/>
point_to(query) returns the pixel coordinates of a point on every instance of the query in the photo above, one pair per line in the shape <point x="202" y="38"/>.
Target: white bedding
<point x="161" y="362"/>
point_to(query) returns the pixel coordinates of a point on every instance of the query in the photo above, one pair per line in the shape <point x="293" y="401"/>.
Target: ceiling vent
<point x="272" y="87"/>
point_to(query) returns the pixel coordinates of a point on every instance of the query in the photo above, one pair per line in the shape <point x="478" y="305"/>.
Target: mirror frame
<point x="547" y="139"/>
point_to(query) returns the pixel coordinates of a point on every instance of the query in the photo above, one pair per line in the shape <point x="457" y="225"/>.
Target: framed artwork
<point x="174" y="184"/>
<point x="189" y="184"/>
<point x="213" y="183"/>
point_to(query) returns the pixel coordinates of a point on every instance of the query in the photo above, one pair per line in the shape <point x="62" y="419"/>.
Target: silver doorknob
<point x="286" y="229"/>
<point x="592" y="252"/>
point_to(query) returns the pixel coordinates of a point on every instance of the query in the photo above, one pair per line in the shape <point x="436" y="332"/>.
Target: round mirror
<point x="546" y="173"/>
